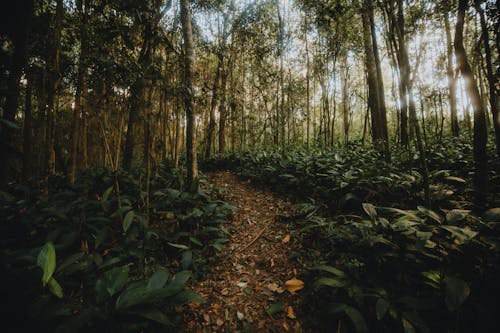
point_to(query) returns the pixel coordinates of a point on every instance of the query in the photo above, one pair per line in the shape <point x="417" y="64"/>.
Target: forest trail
<point x="244" y="288"/>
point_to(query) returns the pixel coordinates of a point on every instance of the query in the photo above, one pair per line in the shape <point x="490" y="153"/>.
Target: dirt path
<point x="249" y="274"/>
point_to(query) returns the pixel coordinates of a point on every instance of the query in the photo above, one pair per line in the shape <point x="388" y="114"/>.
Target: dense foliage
<point x="376" y="256"/>
<point x="104" y="253"/>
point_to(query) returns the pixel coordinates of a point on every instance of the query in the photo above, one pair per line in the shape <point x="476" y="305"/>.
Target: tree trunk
<point x="79" y="108"/>
<point x="28" y="128"/>
<point x="191" y="159"/>
<point x="490" y="75"/>
<point x="480" y="133"/>
<point x="52" y="85"/>
<point x="213" y="105"/>
<point x="452" y="83"/>
<point x="376" y="99"/>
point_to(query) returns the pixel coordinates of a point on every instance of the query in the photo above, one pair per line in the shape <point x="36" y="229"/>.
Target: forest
<point x="250" y="166"/>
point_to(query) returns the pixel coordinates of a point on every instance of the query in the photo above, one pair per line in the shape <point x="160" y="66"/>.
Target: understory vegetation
<point x="379" y="260"/>
<point x="111" y="253"/>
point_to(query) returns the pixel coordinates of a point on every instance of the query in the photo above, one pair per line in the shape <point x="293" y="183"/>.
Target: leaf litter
<point x="244" y="286"/>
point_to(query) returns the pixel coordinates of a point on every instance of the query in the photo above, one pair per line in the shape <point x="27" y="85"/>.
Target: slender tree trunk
<point x="79" y="102"/>
<point x="308" y="88"/>
<point x="52" y="85"/>
<point x="28" y="128"/>
<point x="376" y="99"/>
<point x="480" y="133"/>
<point x="213" y="105"/>
<point x="189" y="58"/>
<point x="452" y="83"/>
<point x="492" y="82"/>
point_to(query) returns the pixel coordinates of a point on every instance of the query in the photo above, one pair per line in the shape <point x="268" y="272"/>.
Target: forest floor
<point x="245" y="287"/>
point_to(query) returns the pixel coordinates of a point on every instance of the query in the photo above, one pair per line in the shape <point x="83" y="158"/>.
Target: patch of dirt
<point x="247" y="281"/>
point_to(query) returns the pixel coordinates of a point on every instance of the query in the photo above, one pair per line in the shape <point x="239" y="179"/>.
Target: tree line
<point x="126" y="84"/>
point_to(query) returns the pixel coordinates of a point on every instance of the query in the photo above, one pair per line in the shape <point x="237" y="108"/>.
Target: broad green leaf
<point x="492" y="215"/>
<point x="461" y="235"/>
<point x="55" y="288"/>
<point x="456" y="179"/>
<point x="381" y="307"/>
<point x="456" y="215"/>
<point x="456" y="291"/>
<point x="47" y="261"/>
<point x="158" y="280"/>
<point x="370" y="210"/>
<point x="433" y="215"/>
<point x="114" y="279"/>
<point x="330" y="282"/>
<point x="127" y="221"/>
<point x="179" y="246"/>
<point x="407" y="326"/>
<point x="72" y="259"/>
<point x="187" y="259"/>
<point x="152" y="313"/>
<point x="353" y="314"/>
<point x="107" y="193"/>
<point x="139" y="293"/>
<point x="330" y="269"/>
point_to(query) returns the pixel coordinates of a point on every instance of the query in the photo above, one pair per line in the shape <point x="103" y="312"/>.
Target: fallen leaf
<point x="219" y="322"/>
<point x="272" y="262"/>
<point x="285" y="326"/>
<point x="274" y="288"/>
<point x="206" y="318"/>
<point x="286" y="239"/>
<point x="294" y="285"/>
<point x="290" y="313"/>
<point x="240" y="315"/>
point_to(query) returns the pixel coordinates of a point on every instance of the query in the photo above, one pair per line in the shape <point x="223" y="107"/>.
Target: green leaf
<point x="433" y="215"/>
<point x="158" y="279"/>
<point x="55" y="288"/>
<point x="461" y="235"/>
<point x="370" y="210"/>
<point x="353" y="314"/>
<point x="179" y="246"/>
<point x="127" y="221"/>
<point x="139" y="293"/>
<point x="456" y="215"/>
<point x="107" y="193"/>
<point x="407" y="326"/>
<point x="275" y="308"/>
<point x="47" y="261"/>
<point x="152" y="313"/>
<point x="456" y="179"/>
<point x="492" y="215"/>
<point x="72" y="259"/>
<point x="330" y="282"/>
<point x="381" y="307"/>
<point x="114" y="279"/>
<point x="456" y="291"/>
<point x="187" y="259"/>
<point x="330" y="269"/>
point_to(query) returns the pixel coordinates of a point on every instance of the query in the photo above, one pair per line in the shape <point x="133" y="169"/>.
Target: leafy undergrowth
<point x="104" y="254"/>
<point x="377" y="259"/>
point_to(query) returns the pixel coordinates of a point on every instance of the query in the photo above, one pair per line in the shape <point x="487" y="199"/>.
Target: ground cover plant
<point x="378" y="259"/>
<point x="103" y="254"/>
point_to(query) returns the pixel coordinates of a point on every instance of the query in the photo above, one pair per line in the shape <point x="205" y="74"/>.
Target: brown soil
<point x="249" y="274"/>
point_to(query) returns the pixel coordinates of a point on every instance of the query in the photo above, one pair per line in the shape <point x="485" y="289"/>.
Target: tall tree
<point x="492" y="81"/>
<point x="376" y="99"/>
<point x="15" y="24"/>
<point x="452" y="83"/>
<point x="480" y="133"/>
<point x="189" y="57"/>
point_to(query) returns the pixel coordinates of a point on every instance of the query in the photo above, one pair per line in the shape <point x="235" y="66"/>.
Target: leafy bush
<point x="104" y="254"/>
